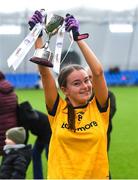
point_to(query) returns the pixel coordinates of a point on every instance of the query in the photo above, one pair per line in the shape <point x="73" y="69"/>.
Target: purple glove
<point x="72" y="24"/>
<point x="36" y="18"/>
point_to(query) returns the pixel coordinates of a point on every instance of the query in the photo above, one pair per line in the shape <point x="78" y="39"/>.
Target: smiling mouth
<point x="85" y="92"/>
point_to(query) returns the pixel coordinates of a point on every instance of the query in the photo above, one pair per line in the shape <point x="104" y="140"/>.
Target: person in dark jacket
<point x="111" y="115"/>
<point x="8" y="105"/>
<point x="38" y="124"/>
<point x="17" y="155"/>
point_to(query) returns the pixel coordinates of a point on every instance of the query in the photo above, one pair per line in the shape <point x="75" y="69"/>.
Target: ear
<point x="64" y="90"/>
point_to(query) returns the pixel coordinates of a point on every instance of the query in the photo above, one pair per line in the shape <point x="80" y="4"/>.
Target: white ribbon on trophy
<point x="58" y="49"/>
<point x="71" y="42"/>
<point x="21" y="51"/>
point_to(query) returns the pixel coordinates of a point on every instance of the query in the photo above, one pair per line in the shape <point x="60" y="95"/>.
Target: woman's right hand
<point x="37" y="17"/>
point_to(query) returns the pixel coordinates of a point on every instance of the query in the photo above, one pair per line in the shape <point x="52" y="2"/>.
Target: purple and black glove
<point x="36" y="18"/>
<point x="73" y="24"/>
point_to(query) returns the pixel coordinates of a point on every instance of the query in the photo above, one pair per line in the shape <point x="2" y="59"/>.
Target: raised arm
<point x="48" y="81"/>
<point x="99" y="83"/>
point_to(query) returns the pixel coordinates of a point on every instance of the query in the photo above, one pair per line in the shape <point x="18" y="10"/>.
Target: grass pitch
<point x="123" y="153"/>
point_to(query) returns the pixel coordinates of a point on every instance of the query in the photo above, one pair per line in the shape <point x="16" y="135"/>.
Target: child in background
<point x="17" y="155"/>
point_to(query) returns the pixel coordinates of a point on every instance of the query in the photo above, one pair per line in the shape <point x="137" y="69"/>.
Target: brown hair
<point x="62" y="81"/>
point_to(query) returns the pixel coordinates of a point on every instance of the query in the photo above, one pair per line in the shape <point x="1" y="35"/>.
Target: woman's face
<point x="79" y="87"/>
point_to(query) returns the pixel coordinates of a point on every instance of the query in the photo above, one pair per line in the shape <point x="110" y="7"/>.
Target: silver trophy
<point x="44" y="56"/>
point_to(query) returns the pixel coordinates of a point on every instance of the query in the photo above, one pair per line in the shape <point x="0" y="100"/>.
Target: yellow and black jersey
<point x="80" y="153"/>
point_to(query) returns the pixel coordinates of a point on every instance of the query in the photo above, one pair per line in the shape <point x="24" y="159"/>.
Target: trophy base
<point x="41" y="61"/>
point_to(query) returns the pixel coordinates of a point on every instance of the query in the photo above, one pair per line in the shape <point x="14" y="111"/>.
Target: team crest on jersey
<point x="80" y="115"/>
